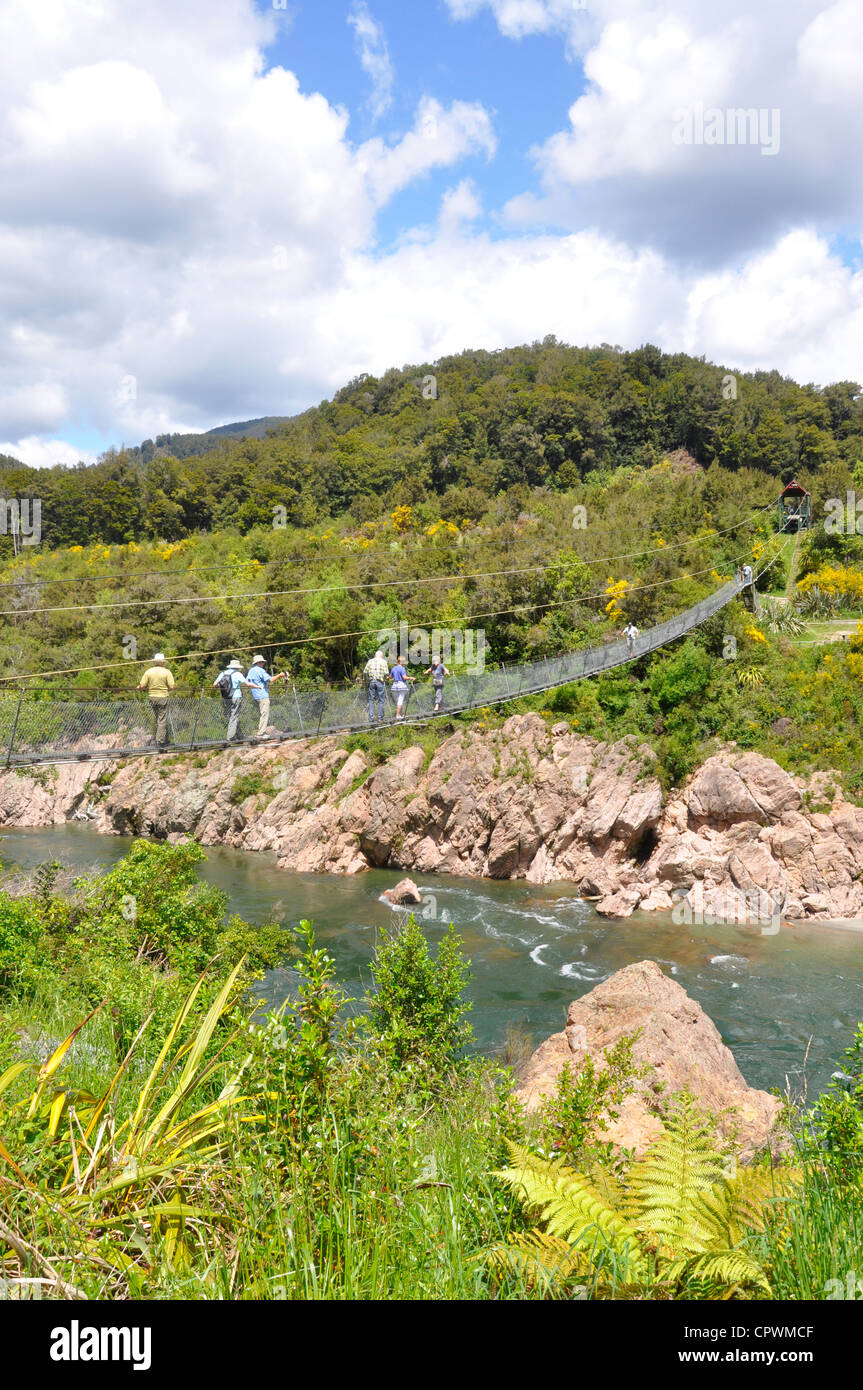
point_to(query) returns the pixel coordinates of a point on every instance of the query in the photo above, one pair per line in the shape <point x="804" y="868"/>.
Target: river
<point x="533" y="949"/>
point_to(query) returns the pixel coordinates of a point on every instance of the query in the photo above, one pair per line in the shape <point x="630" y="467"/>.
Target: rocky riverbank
<point x="742" y="840"/>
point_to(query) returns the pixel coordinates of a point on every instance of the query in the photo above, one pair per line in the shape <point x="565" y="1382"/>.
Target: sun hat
<point x="256" y="659"/>
<point x="235" y="665"/>
<point x="159" y="656"/>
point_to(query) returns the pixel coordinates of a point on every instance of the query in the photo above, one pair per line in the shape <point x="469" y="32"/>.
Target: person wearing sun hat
<point x="230" y="684"/>
<point x="259" y="679"/>
<point x="158" y="683"/>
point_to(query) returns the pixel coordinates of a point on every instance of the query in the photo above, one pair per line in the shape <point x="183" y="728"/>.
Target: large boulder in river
<point x="404" y="892"/>
<point x="677" y="1040"/>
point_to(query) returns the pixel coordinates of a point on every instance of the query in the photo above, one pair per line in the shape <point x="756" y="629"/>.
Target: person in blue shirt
<point x="400" y="678"/>
<point x="230" y="684"/>
<point x="260" y="680"/>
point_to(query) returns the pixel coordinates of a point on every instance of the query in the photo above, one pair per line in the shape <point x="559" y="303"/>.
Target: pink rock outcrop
<point x="679" y="1043"/>
<point x="525" y="800"/>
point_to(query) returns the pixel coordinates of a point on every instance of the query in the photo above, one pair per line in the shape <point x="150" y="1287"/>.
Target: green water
<point x="533" y="949"/>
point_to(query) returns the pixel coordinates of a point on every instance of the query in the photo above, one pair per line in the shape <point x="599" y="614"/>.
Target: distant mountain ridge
<point x="187" y="445"/>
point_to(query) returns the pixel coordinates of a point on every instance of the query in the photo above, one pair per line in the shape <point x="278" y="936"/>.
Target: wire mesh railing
<point x="34" y="730"/>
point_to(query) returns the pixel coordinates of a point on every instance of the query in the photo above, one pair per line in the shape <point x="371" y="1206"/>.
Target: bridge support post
<point x="14" y="726"/>
<point x="197" y="712"/>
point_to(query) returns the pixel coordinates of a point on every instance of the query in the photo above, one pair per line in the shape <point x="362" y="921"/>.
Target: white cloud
<point x="40" y="404"/>
<point x="440" y="137"/>
<point x="44" y="453"/>
<point x="178" y="215"/>
<point x="519" y="18"/>
<point x="459" y="205"/>
<point x="830" y="52"/>
<point x="172" y="209"/>
<point x="796" y="306"/>
<point x="616" y="165"/>
<point x="374" y="57"/>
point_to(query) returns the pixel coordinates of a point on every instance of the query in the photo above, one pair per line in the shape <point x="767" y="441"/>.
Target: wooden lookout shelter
<point x="795" y="508"/>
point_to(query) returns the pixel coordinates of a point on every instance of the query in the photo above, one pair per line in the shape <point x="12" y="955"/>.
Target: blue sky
<point x="219" y="210"/>
<point x="528" y="85"/>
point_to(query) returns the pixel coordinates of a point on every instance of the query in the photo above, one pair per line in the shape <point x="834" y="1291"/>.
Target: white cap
<point x="160" y="656"/>
<point x="256" y="659"/>
<point x="235" y="665"/>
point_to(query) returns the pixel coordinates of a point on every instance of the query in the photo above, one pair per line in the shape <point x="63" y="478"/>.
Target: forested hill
<point x="453" y="433"/>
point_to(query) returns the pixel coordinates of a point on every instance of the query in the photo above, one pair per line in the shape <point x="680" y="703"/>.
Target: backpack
<point x="225" y="685"/>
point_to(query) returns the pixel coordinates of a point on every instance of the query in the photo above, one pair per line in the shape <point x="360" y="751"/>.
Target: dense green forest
<point x="541" y="416"/>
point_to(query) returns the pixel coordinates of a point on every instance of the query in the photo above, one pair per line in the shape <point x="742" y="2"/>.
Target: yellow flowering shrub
<point x="840" y="580"/>
<point x="615" y="590"/>
<point x="402" y="519"/>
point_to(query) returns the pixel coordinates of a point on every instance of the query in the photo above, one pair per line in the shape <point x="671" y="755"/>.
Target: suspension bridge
<point x="35" y="730"/>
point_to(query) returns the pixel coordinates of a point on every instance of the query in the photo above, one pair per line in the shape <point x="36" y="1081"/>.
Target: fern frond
<point x="541" y="1260"/>
<point x="572" y="1210"/>
<point x="753" y="1194"/>
<point x="731" y="1268"/>
<point x="608" y="1187"/>
<point x="671" y="1183"/>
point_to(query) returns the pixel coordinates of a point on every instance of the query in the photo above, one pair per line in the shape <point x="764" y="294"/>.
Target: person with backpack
<point x="158" y="683"/>
<point x="438" y="674"/>
<point x="229" y="684"/>
<point x="260" y="679"/>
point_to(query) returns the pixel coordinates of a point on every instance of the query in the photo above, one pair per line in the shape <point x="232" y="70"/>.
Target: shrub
<point x="586" y="1098"/>
<point x="21" y="951"/>
<point x="417" y="1008"/>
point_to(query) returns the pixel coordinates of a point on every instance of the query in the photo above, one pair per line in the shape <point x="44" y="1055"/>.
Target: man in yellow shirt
<point x="158" y="683"/>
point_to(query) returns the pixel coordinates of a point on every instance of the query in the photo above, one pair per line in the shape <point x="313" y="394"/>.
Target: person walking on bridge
<point x="630" y="632"/>
<point x="376" y="672"/>
<point x="260" y="679"/>
<point x="400" y="680"/>
<point x="438" y="674"/>
<point x="158" y="683"/>
<point x="230" y="684"/>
